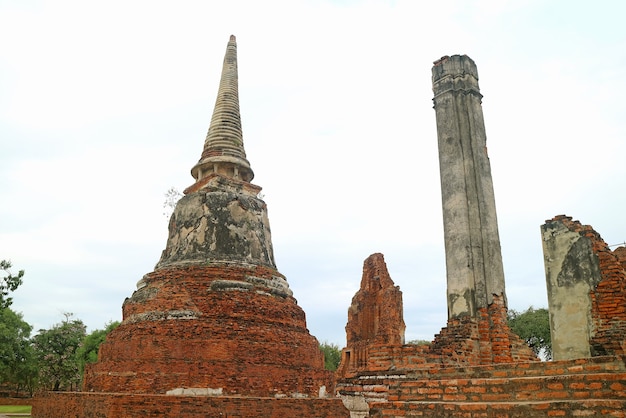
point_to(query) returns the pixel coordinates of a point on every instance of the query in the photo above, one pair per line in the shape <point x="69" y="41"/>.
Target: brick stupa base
<point x="220" y="327"/>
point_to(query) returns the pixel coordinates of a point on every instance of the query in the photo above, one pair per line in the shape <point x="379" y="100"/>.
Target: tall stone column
<point x="473" y="258"/>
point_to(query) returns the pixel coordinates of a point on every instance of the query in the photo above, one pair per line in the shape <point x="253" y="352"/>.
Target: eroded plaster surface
<point x="572" y="271"/>
<point x="219" y="226"/>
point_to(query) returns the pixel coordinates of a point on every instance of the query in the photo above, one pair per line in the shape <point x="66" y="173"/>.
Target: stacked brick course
<point x="593" y="387"/>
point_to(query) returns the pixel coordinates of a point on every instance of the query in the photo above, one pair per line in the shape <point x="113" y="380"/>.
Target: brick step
<point x="536" y="368"/>
<point x="515" y="389"/>
<point x="527" y="409"/>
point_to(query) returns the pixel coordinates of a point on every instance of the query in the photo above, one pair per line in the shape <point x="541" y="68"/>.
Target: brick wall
<point x="585" y="387"/>
<point x="112" y="405"/>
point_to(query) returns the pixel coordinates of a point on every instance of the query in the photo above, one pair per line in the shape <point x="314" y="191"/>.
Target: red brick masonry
<point x="594" y="387"/>
<point x="215" y="326"/>
<point x="120" y="405"/>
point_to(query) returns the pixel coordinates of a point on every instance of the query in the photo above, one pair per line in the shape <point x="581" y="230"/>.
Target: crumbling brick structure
<point x="215" y="319"/>
<point x="586" y="290"/>
<point x="215" y="313"/>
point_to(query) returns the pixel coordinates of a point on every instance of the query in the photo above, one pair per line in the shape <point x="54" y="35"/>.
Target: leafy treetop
<point x="533" y="326"/>
<point x="8" y="283"/>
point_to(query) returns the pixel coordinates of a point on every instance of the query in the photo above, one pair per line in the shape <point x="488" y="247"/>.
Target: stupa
<point x="215" y="313"/>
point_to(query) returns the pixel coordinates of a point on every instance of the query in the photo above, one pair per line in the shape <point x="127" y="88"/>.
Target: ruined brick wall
<point x="116" y="405"/>
<point x="467" y="340"/>
<point x="375" y="317"/>
<point x="216" y="326"/>
<point x="591" y="278"/>
<point x="608" y="301"/>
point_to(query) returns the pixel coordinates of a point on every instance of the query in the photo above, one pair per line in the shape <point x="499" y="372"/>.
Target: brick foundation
<point x="120" y="405"/>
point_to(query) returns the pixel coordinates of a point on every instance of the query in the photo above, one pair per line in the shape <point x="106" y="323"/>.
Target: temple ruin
<point x="476" y="366"/>
<point x="215" y="330"/>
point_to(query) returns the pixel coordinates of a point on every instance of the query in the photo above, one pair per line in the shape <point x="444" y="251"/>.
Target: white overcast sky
<point x="104" y="105"/>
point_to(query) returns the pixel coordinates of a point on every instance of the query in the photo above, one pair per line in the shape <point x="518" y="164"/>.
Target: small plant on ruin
<point x="172" y="196"/>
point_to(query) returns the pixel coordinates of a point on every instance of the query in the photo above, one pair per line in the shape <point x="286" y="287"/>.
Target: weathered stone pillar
<point x="572" y="274"/>
<point x="473" y="258"/>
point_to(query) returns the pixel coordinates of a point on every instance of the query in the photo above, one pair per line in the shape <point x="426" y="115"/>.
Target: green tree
<point x="8" y="283"/>
<point x="88" y="351"/>
<point x="332" y="355"/>
<point x="17" y="363"/>
<point x="533" y="326"/>
<point x="55" y="350"/>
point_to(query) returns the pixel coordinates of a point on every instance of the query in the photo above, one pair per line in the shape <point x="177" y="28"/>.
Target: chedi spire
<point x="221" y="219"/>
<point x="223" y="150"/>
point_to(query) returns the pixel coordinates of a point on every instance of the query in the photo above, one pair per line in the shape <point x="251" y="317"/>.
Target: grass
<point x="20" y="409"/>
